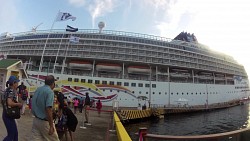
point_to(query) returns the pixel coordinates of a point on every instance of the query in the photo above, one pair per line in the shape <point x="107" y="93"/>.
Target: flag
<point x="62" y="16"/>
<point x="71" y="29"/>
<point x="74" y="39"/>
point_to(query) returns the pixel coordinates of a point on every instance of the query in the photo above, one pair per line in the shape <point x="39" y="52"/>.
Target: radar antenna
<point x="35" y="27"/>
<point x="101" y="25"/>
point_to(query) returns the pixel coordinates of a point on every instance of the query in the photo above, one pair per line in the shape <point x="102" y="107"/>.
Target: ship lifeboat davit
<point x="108" y="67"/>
<point x="80" y="65"/>
<point x="139" y="69"/>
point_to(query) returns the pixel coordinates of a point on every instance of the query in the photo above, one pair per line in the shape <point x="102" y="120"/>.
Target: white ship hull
<point x="164" y="94"/>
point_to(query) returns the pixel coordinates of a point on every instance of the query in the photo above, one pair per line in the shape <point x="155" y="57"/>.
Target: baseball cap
<point x="13" y="79"/>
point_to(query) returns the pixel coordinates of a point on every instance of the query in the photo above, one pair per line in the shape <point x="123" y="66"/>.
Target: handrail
<point x="239" y="135"/>
<point x="121" y="132"/>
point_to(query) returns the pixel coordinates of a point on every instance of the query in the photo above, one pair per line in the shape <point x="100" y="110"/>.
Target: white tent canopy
<point x="182" y="100"/>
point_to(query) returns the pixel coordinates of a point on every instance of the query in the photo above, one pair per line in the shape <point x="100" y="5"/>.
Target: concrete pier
<point x="98" y="131"/>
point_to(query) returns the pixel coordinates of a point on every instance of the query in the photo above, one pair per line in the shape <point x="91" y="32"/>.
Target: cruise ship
<point x="128" y="68"/>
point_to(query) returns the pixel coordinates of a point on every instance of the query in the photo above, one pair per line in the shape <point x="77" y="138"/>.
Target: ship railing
<point x="112" y="32"/>
<point x="237" y="135"/>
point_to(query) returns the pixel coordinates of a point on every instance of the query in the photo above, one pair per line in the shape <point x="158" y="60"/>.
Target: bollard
<point x="112" y="122"/>
<point x="83" y="127"/>
<point x="142" y="132"/>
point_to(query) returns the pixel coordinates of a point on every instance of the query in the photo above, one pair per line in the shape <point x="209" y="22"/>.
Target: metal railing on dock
<point x="120" y="130"/>
<point x="237" y="135"/>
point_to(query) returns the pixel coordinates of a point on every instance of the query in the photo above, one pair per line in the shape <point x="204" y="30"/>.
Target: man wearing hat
<point x="43" y="128"/>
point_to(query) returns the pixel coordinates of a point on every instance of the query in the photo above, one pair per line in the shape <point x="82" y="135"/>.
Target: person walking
<point x="76" y="103"/>
<point x="99" y="106"/>
<point x="20" y="88"/>
<point x="43" y="128"/>
<point x="30" y="105"/>
<point x="80" y="105"/>
<point x="10" y="99"/>
<point x="86" y="107"/>
<point x="24" y="96"/>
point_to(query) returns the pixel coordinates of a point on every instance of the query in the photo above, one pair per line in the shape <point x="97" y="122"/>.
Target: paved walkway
<point x="98" y="131"/>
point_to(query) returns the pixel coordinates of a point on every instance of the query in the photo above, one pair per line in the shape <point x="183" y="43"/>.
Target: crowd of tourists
<point x="53" y="118"/>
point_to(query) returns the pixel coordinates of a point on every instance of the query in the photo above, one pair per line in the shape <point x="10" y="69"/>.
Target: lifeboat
<point x="108" y="67"/>
<point x="138" y="69"/>
<point x="80" y="65"/>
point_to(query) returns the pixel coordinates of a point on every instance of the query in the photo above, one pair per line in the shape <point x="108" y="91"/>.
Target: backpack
<point x="71" y="119"/>
<point x="24" y="95"/>
<point x="62" y="121"/>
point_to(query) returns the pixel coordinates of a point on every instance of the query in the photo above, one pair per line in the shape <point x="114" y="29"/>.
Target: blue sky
<point x="223" y="25"/>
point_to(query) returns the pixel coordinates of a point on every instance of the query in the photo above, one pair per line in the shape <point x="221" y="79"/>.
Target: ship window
<point x="70" y="79"/>
<point x="147" y="85"/>
<point x="133" y="84"/>
<point x="140" y="85"/>
<point x="159" y="92"/>
<point x="97" y="81"/>
<point x="126" y="84"/>
<point x="57" y="78"/>
<point x="119" y="83"/>
<point x="103" y="90"/>
<point x="110" y="90"/>
<point x="133" y="92"/>
<point x="118" y="91"/>
<point x="90" y="81"/>
<point x="191" y="93"/>
<point x="112" y="83"/>
<point x="83" y="80"/>
<point x="76" y="80"/>
<point x="166" y="93"/>
<point x="153" y="92"/>
<point x="177" y="93"/>
<point x="187" y="93"/>
<point x="171" y="93"/>
<point x="153" y="85"/>
<point x="139" y="92"/>
<point x="182" y="93"/>
<point x="146" y="92"/>
<point x="104" y="82"/>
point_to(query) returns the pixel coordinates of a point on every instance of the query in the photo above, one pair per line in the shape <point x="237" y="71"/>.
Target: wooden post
<point x="142" y="132"/>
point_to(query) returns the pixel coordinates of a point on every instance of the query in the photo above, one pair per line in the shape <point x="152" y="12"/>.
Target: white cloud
<point x="77" y="3"/>
<point x="96" y="8"/>
<point x="222" y="25"/>
<point x="8" y="14"/>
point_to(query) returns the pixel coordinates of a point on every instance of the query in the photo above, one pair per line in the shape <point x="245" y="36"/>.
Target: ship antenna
<point x="101" y="25"/>
<point x="35" y="27"/>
